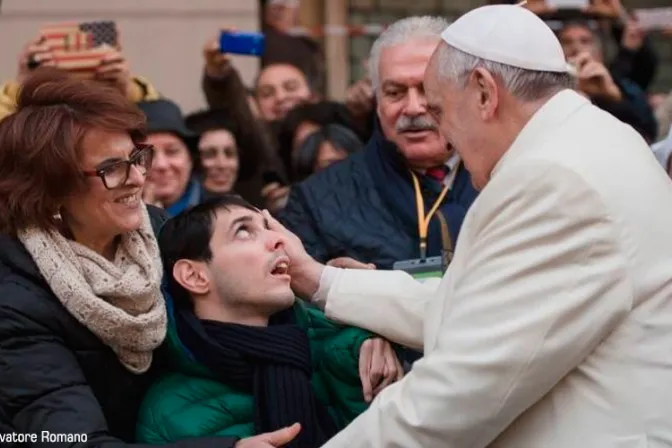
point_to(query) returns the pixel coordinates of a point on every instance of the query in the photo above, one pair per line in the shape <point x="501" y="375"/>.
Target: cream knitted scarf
<point x="120" y="301"/>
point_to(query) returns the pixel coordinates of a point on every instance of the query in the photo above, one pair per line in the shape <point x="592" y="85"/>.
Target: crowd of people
<point x="145" y="298"/>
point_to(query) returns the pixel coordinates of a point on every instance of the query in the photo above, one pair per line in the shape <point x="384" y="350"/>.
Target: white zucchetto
<point x="508" y="34"/>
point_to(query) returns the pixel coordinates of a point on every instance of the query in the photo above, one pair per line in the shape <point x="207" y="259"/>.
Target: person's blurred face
<point x="219" y="157"/>
<point x="279" y="89"/>
<point x="281" y="14"/>
<point x="402" y="105"/>
<point x="577" y="39"/>
<point x="249" y="265"/>
<point x="171" y="168"/>
<point x="327" y="155"/>
<point x="96" y="213"/>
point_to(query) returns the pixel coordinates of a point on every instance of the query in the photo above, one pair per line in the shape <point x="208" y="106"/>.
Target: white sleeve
<point x="388" y="303"/>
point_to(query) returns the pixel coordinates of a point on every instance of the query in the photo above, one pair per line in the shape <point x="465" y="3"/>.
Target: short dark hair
<point x="41" y="143"/>
<point x="304" y="158"/>
<point x="187" y="237"/>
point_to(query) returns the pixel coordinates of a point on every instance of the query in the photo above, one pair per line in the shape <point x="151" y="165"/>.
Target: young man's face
<point x="248" y="270"/>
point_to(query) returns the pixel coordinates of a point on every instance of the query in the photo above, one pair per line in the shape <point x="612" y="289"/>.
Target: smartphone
<point x="243" y="43"/>
<point x="79" y="47"/>
<point x="74" y="36"/>
<point x="104" y="32"/>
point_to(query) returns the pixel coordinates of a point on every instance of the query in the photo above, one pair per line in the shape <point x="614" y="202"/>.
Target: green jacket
<point x="190" y="403"/>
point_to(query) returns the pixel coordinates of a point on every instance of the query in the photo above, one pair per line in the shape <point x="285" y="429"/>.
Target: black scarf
<point x="273" y="363"/>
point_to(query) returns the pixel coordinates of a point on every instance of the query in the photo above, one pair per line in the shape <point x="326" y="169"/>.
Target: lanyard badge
<point x="423" y="267"/>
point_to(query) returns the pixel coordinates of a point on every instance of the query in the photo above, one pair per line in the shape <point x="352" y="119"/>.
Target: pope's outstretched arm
<point x="389" y="303"/>
<point x="541" y="286"/>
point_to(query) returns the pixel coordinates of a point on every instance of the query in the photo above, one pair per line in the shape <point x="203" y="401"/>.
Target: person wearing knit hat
<point x="170" y="182"/>
<point x="552" y="323"/>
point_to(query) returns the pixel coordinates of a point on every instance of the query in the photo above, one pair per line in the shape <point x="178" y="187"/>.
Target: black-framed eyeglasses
<point x="116" y="174"/>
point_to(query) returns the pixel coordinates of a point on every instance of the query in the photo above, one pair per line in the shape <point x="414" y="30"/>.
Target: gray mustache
<point x="419" y="123"/>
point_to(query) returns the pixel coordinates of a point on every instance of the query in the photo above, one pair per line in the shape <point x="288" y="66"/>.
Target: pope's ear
<point x="488" y="92"/>
<point x="192" y="276"/>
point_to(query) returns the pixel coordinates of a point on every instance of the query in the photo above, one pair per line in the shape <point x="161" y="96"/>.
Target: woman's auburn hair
<point x="41" y="143"/>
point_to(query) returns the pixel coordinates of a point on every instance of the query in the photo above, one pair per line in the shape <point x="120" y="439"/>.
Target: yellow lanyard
<point x="423" y="220"/>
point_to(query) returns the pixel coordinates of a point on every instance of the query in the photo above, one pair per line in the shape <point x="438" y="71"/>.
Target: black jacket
<point x="57" y="376"/>
<point x="364" y="208"/>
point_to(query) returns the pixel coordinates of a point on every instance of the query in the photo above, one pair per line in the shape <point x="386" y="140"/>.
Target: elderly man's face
<point x="402" y="106"/>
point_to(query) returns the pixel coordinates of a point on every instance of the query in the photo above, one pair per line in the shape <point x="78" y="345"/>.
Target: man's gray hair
<point x="526" y="85"/>
<point x="400" y="32"/>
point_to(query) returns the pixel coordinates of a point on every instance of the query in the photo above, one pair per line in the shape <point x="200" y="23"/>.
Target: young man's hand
<point x="278" y="438"/>
<point x="378" y="367"/>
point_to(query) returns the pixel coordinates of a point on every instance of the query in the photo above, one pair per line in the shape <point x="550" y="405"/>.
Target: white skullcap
<point x="510" y="35"/>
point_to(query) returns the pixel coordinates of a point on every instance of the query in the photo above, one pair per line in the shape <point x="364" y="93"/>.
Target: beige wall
<point x="162" y="39"/>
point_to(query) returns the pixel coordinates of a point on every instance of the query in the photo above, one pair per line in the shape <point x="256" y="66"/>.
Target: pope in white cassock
<point x="552" y="327"/>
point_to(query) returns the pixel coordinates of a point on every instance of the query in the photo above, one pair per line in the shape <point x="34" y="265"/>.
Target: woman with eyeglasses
<point x="81" y="311"/>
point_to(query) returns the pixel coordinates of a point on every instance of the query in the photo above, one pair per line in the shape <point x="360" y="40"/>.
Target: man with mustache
<point x="405" y="195"/>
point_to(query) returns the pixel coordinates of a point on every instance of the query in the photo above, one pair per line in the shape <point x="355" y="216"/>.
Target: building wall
<point x="162" y="39"/>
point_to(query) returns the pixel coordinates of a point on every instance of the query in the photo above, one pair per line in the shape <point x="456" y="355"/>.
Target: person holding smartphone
<point x="113" y="70"/>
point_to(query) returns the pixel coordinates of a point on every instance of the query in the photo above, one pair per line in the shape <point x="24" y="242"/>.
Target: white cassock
<point x="553" y="325"/>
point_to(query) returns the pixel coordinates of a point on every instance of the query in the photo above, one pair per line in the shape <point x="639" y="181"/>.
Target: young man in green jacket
<point x="247" y="357"/>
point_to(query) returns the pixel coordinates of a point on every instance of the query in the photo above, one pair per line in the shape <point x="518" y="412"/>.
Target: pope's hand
<point x="278" y="438"/>
<point x="304" y="270"/>
<point x="378" y="367"/>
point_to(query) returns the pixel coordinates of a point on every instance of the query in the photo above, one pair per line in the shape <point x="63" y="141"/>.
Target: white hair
<point x="526" y="85"/>
<point x="400" y="32"/>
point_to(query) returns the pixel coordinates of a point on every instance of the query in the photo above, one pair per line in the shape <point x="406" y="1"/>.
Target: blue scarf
<point x="394" y="184"/>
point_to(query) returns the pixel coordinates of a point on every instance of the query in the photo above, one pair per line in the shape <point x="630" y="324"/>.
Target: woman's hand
<point x="378" y="367"/>
<point x="114" y="69"/>
<point x="35" y="53"/>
